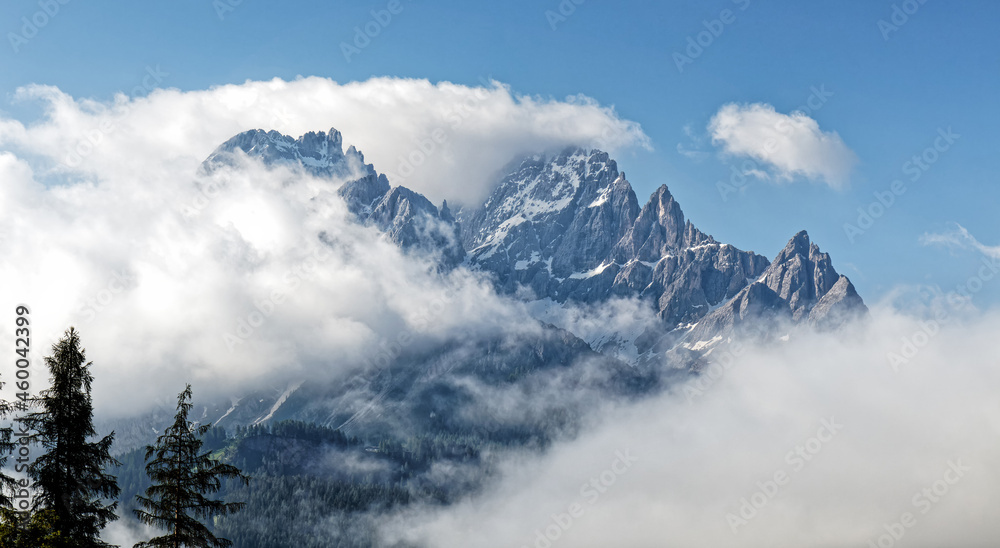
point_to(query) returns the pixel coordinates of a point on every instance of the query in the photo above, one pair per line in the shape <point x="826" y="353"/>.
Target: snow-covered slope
<point x="406" y="217"/>
<point x="568" y="227"/>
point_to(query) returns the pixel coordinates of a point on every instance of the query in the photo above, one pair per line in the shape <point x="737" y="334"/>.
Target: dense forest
<point x="272" y="483"/>
<point x="303" y="481"/>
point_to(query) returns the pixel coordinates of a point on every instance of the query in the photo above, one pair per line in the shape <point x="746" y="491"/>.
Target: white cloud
<point x="444" y="140"/>
<point x="699" y="453"/>
<point x="227" y="293"/>
<point x="103" y="226"/>
<point x="154" y="274"/>
<point x="789" y="145"/>
<point x="128" y="532"/>
<point x="959" y="237"/>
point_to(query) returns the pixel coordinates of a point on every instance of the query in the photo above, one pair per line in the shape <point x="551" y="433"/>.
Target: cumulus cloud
<point x="251" y="275"/>
<point x="854" y="442"/>
<point x="444" y="140"/>
<point x="265" y="280"/>
<point x="787" y="145"/>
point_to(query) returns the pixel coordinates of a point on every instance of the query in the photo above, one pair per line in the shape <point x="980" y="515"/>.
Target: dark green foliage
<point x="8" y="485"/>
<point x="303" y="495"/>
<point x="31" y="530"/>
<point x="427" y="439"/>
<point x="70" y="476"/>
<point x="181" y="476"/>
<point x="309" y="512"/>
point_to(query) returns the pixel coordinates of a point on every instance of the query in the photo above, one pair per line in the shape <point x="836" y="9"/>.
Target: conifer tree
<point x="7" y="446"/>
<point x="182" y="476"/>
<point x="69" y="477"/>
<point x="30" y="530"/>
<point x="11" y="521"/>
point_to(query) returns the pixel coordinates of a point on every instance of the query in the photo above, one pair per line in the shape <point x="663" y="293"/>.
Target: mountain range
<point x="559" y="230"/>
<point x="567" y="227"/>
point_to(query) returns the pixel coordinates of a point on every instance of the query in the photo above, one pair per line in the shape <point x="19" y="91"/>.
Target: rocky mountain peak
<point x="801" y="274"/>
<point x="567" y="227"/>
<point x="406" y="217"/>
<point x="659" y="230"/>
<point x="446" y="212"/>
<point x="800" y="285"/>
<point x="320" y="154"/>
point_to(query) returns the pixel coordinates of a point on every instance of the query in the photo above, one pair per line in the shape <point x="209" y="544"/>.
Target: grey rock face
<point x="319" y="153"/>
<point x="406" y="217"/>
<point x="362" y="195"/>
<point x="569" y="227"/>
<point x="411" y="220"/>
<point x="840" y="305"/>
<point x="800" y="285"/>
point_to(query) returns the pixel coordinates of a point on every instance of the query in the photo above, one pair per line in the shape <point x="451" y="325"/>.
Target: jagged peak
<point x="801" y="246"/>
<point x="798" y="245"/>
<point x="335" y="136"/>
<point x="663" y="201"/>
<point x="662" y="194"/>
<point x="801" y="238"/>
<point x="319" y="152"/>
<point x="560" y="157"/>
<point x="256" y="136"/>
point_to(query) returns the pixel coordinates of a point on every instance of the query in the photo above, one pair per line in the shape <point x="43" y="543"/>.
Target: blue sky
<point x="889" y="98"/>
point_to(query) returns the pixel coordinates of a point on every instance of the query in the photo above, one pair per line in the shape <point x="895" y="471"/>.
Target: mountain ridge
<point x="567" y="227"/>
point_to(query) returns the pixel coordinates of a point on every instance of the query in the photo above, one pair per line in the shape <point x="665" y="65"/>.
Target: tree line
<point x="65" y="497"/>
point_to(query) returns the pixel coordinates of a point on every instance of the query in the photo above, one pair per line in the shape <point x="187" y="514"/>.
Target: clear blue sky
<point x="939" y="69"/>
